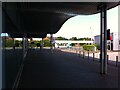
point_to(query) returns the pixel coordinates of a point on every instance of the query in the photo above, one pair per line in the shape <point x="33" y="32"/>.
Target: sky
<point x="88" y="25"/>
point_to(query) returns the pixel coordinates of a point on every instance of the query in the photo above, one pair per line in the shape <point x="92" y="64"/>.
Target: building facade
<point x="67" y="43"/>
<point x="112" y="44"/>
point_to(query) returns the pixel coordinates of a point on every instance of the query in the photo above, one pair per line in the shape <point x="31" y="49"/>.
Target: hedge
<point x="88" y="47"/>
<point x="98" y="46"/>
<point x="8" y="43"/>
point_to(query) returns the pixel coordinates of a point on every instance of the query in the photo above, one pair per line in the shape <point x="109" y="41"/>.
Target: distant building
<point x="46" y="38"/>
<point x="66" y="43"/>
<point x="112" y="44"/>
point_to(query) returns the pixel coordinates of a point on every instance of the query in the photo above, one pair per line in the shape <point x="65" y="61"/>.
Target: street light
<point x="91" y="33"/>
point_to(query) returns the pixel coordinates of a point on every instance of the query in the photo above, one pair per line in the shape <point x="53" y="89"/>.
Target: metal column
<point x="103" y="40"/>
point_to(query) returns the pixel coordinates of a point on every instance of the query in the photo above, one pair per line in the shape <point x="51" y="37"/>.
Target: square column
<point x="26" y="43"/>
<point x="24" y="39"/>
<point x="103" y="40"/>
<point x="13" y="43"/>
<point x="42" y="43"/>
<point x="1" y="46"/>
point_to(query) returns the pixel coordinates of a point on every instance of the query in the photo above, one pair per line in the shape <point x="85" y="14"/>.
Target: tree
<point x="61" y="38"/>
<point x="80" y="39"/>
<point x="73" y="38"/>
<point x="85" y="38"/>
<point x="46" y="43"/>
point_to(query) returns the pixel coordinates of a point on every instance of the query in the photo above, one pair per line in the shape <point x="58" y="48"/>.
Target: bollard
<point x="93" y="56"/>
<point x="107" y="58"/>
<point x="99" y="58"/>
<point x="79" y="52"/>
<point x="116" y="60"/>
<point x="88" y="54"/>
<point x="76" y="51"/>
<point x="83" y="54"/>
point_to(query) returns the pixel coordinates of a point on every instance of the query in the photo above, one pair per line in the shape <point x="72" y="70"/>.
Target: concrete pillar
<point x="3" y="64"/>
<point x="2" y="51"/>
<point x="27" y="44"/>
<point x="0" y="46"/>
<point x="51" y="41"/>
<point x="42" y="43"/>
<point x="24" y="45"/>
<point x="103" y="40"/>
<point x="0" y="64"/>
<point x="14" y="43"/>
<point x="110" y="45"/>
<point x="31" y="40"/>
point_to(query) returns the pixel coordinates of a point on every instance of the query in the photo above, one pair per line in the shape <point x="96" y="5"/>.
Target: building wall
<point x="116" y="40"/>
<point x="97" y="39"/>
<point x="116" y="44"/>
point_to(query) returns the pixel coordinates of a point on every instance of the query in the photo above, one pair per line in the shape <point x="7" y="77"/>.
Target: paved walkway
<point x="44" y="69"/>
<point x="112" y="55"/>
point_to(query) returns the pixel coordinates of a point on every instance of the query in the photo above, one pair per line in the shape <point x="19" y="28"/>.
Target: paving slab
<point x="58" y="69"/>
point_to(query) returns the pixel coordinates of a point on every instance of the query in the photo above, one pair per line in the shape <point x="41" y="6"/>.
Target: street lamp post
<point x="91" y="33"/>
